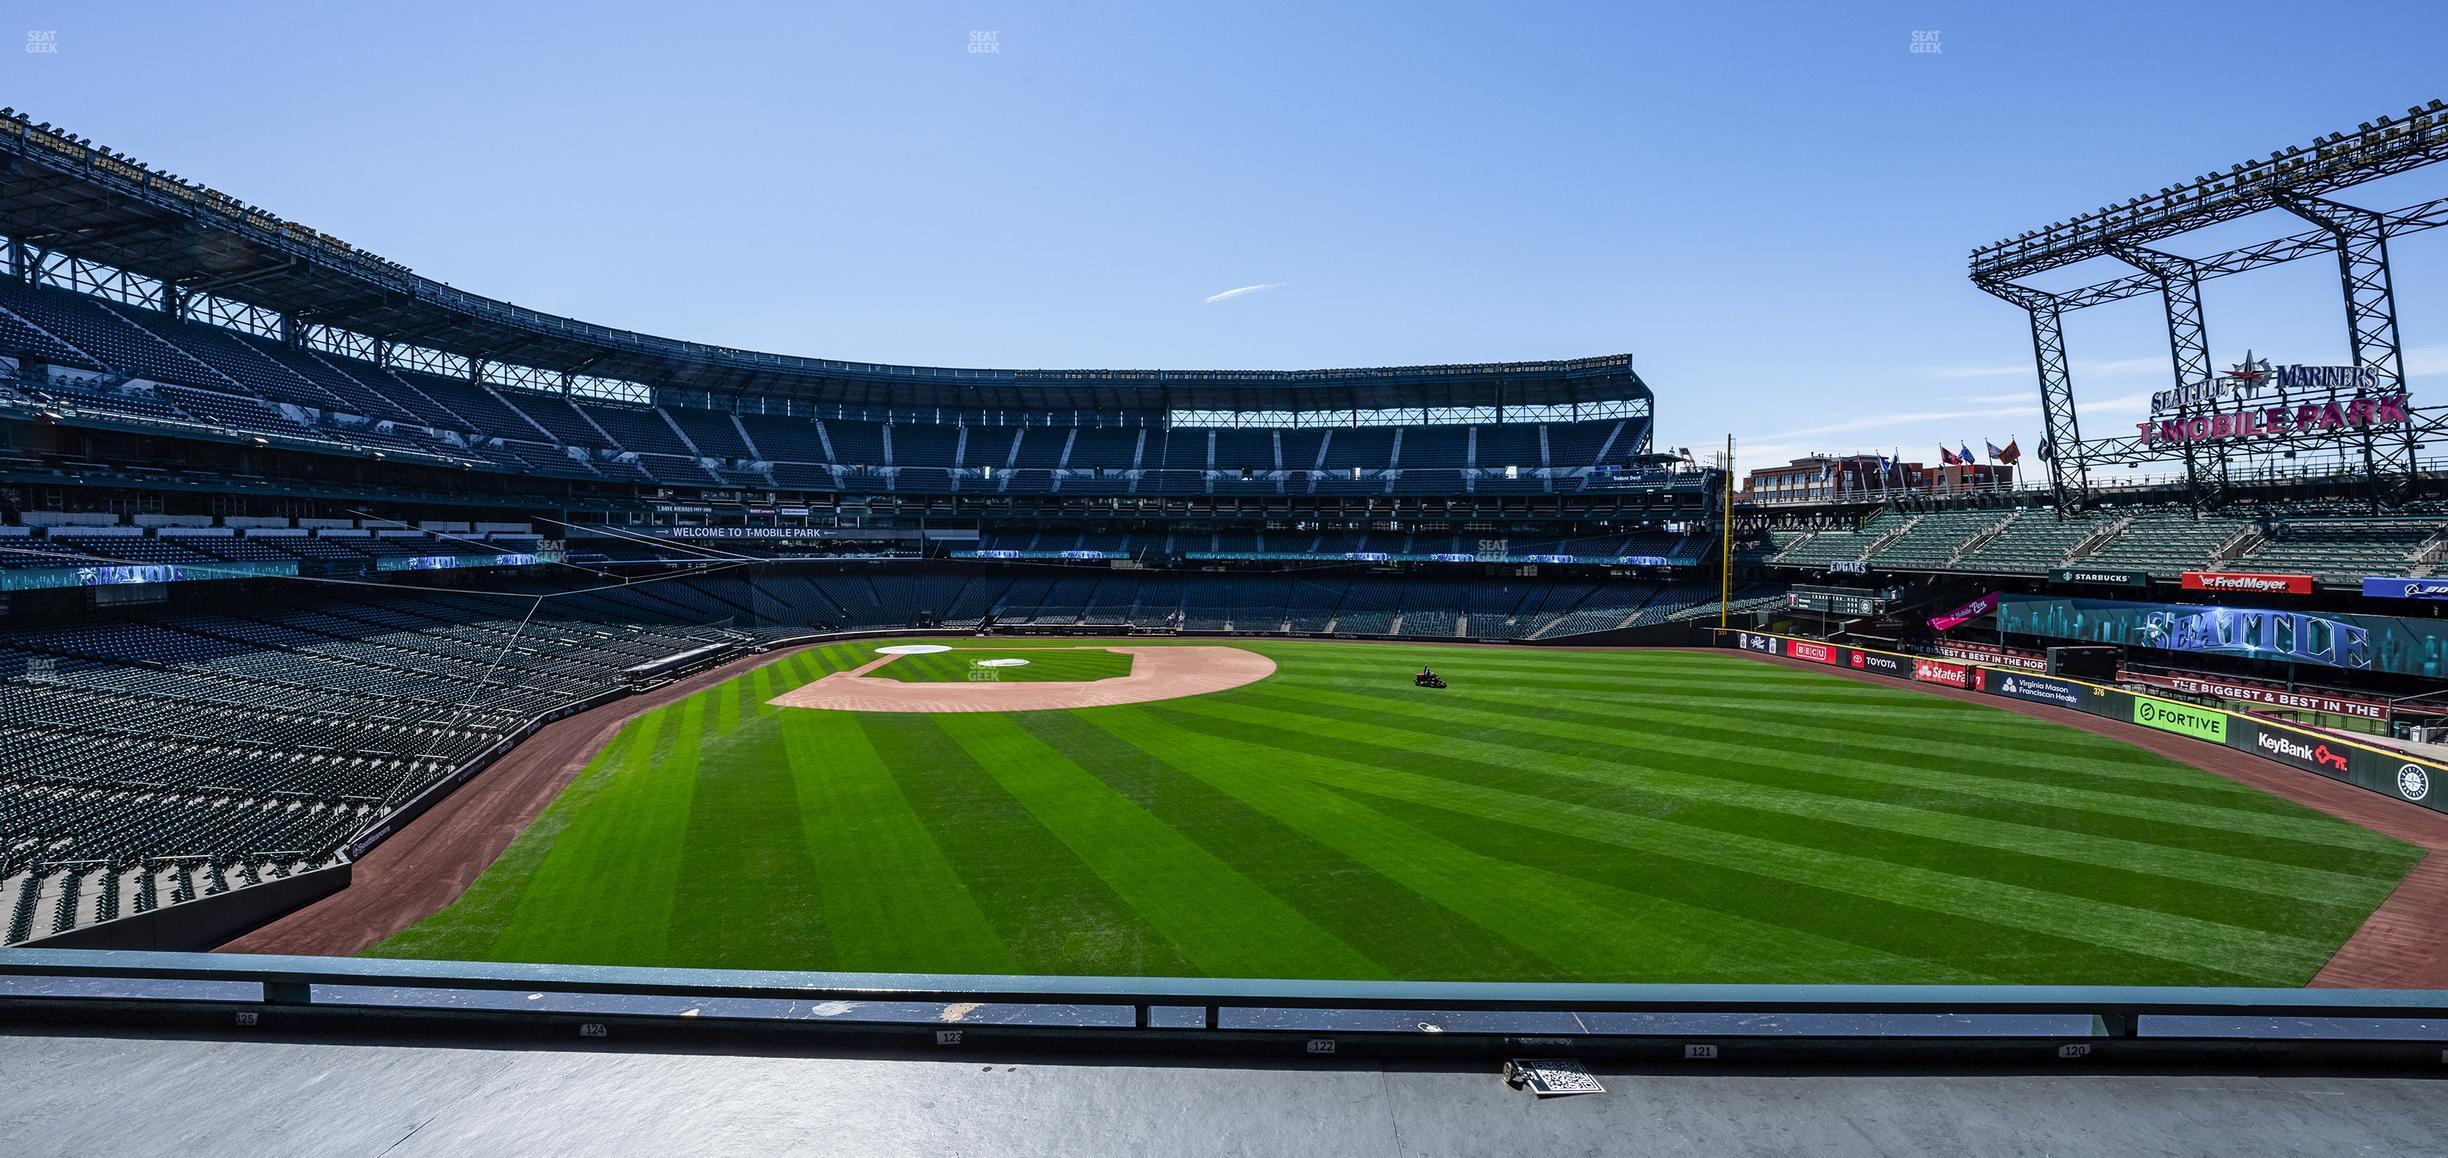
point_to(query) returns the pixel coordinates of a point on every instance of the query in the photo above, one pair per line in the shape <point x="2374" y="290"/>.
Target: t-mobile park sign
<point x="2255" y="416"/>
<point x="2375" y="412"/>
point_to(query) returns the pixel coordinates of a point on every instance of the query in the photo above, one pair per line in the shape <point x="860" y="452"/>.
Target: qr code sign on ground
<point x="1550" y="1077"/>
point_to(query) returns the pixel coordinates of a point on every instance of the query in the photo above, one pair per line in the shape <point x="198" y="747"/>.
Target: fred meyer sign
<point x="2183" y="719"/>
<point x="2376" y="587"/>
<point x="2248" y="584"/>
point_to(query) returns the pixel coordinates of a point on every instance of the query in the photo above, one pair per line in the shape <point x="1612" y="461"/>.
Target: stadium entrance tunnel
<point x="1156" y="673"/>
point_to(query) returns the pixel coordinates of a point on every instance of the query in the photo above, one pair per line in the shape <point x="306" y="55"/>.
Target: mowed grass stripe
<point x="1808" y="902"/>
<point x="1361" y="738"/>
<point x="1970" y="788"/>
<point x="1052" y="911"/>
<point x="607" y="905"/>
<point x="477" y="919"/>
<point x="2115" y="909"/>
<point x="892" y="901"/>
<point x="1889" y="718"/>
<point x="2126" y="931"/>
<point x="1224" y="923"/>
<point x="1620" y="794"/>
<point x="626" y="845"/>
<point x="1594" y="931"/>
<point x="1555" y="815"/>
<point x="1366" y="910"/>
<point x="750" y="904"/>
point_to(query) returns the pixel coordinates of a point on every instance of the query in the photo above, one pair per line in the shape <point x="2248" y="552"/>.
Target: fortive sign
<point x="2383" y="410"/>
<point x="1814" y="652"/>
<point x="2182" y="719"/>
<point x="2247" y="583"/>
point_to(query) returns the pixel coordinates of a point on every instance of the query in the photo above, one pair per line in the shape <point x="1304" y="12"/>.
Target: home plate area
<point x="983" y="684"/>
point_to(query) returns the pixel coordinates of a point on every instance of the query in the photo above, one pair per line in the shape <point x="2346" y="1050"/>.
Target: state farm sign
<point x="1953" y="675"/>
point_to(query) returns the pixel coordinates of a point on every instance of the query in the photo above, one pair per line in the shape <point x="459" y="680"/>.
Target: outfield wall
<point x="2380" y="770"/>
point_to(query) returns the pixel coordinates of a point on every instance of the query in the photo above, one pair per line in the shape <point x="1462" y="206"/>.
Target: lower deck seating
<point x="150" y="758"/>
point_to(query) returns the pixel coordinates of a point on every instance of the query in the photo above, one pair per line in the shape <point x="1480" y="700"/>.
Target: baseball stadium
<point x="378" y="657"/>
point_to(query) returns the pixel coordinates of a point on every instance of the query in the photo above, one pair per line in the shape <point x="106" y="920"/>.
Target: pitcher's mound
<point x="1157" y="673"/>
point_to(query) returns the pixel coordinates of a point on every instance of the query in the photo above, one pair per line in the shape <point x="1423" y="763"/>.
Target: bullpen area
<point x="1552" y="815"/>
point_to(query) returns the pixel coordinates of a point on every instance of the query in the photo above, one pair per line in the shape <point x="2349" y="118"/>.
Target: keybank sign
<point x="2182" y="719"/>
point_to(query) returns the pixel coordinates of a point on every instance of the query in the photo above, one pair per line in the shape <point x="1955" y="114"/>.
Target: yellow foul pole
<point x="1725" y="540"/>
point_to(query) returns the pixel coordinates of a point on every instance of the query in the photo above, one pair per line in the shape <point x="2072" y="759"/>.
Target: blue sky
<point x="1769" y="205"/>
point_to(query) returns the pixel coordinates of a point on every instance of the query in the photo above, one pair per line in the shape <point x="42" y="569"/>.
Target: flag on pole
<point x="2011" y="455"/>
<point x="1965" y="455"/>
<point x="1947" y="456"/>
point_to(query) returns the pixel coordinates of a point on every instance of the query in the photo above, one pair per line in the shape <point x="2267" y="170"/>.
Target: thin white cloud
<point x="1953" y="372"/>
<point x="1890" y="421"/>
<point x="2426" y="361"/>
<point x="2018" y="396"/>
<point x="2103" y="367"/>
<point x="2121" y="404"/>
<point x="1242" y="291"/>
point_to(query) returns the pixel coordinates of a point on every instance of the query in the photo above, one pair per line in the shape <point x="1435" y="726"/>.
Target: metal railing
<point x="1294" y="1016"/>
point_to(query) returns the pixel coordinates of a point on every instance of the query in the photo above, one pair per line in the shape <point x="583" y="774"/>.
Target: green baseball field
<point x="1553" y="815"/>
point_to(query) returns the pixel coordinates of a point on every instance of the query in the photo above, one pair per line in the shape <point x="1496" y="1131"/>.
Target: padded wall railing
<point x="2039" y="1025"/>
<point x="2383" y="770"/>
